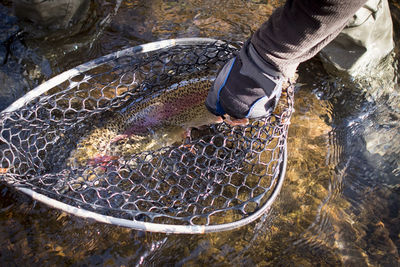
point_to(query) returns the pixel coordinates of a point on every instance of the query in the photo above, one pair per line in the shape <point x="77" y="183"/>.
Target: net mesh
<point x="110" y="140"/>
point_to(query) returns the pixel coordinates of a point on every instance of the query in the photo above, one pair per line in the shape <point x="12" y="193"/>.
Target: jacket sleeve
<point x="298" y="30"/>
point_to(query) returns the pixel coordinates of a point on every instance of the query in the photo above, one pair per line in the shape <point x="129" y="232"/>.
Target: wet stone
<point x="8" y="24"/>
<point x="8" y="30"/>
<point x="20" y="67"/>
<point x="382" y="141"/>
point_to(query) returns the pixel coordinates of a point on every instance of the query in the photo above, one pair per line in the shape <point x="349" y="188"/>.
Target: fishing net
<point x="105" y="141"/>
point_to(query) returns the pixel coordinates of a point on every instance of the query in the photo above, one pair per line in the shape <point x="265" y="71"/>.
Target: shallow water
<point x="340" y="201"/>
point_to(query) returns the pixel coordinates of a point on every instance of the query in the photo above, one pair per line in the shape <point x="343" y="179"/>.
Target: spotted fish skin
<point x="181" y="105"/>
<point x="148" y="124"/>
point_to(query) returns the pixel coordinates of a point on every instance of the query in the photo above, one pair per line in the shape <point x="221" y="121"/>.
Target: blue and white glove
<point x="246" y="87"/>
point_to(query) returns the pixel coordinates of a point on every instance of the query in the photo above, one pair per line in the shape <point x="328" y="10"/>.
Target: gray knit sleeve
<point x="301" y="28"/>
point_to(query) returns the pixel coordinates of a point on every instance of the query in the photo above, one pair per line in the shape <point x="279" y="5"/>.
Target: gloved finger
<point x="265" y="105"/>
<point x="236" y="122"/>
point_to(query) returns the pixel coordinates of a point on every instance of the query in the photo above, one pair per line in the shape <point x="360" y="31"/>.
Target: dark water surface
<point x="340" y="204"/>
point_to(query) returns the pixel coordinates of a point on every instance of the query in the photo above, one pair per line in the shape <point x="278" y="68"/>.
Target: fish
<point x="147" y="124"/>
<point x="181" y="105"/>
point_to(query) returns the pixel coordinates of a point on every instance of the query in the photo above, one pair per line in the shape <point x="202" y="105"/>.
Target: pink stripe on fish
<point x="161" y="113"/>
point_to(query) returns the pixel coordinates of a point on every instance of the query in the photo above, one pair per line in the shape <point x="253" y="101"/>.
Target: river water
<point x="340" y="201"/>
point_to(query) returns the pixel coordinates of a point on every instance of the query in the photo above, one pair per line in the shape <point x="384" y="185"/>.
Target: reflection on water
<point x="340" y="201"/>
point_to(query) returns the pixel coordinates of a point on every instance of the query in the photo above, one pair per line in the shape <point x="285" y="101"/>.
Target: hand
<point x="246" y="87"/>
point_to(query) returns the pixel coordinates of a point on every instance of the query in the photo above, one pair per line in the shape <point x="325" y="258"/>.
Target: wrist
<point x="286" y="67"/>
<point x="260" y="62"/>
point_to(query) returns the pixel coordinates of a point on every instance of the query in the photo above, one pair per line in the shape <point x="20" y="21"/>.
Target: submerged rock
<point x="21" y="69"/>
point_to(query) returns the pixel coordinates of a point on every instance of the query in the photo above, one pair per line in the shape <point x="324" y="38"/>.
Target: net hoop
<point x="137" y="225"/>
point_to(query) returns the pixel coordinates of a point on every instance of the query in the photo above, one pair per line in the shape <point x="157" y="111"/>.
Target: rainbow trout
<point x="147" y="125"/>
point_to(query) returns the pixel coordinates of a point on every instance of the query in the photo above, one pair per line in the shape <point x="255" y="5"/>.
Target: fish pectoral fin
<point x="186" y="136"/>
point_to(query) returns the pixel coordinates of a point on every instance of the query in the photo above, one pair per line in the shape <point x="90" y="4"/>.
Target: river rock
<point x="21" y="69"/>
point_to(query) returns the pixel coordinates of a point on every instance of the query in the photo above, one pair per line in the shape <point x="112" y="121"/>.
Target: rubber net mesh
<point x="112" y="140"/>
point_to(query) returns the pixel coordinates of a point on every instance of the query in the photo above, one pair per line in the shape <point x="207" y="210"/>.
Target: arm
<point x="250" y="84"/>
<point x="300" y="29"/>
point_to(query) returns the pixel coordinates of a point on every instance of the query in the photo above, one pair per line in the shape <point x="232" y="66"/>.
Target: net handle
<point x="136" y="50"/>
